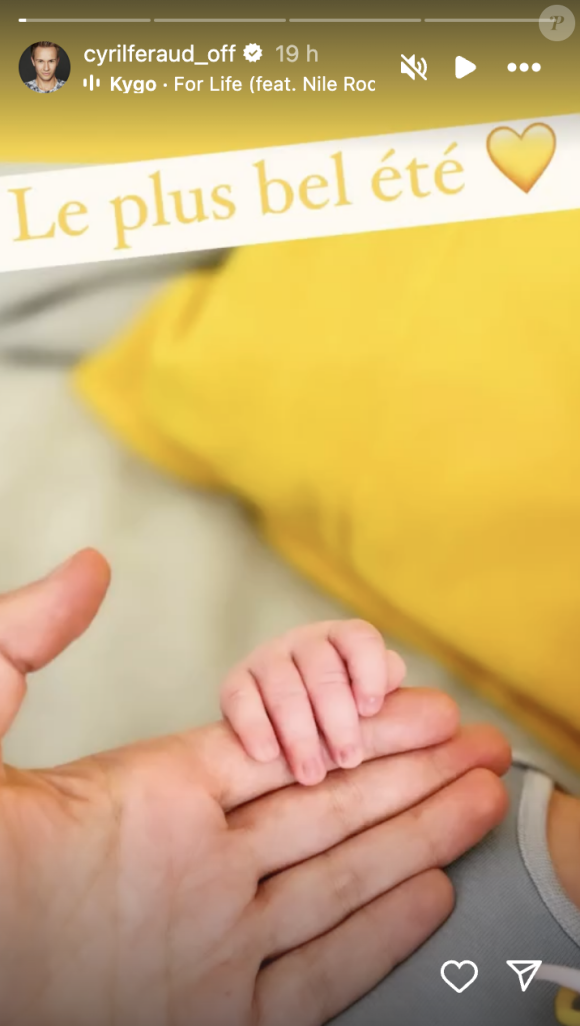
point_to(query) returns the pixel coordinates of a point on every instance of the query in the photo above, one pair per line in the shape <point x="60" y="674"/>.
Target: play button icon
<point x="463" y="67"/>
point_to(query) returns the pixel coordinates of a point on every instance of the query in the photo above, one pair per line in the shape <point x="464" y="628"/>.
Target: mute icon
<point x="411" y="67"/>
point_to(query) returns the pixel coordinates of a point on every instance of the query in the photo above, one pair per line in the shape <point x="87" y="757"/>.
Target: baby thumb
<point x="39" y="621"/>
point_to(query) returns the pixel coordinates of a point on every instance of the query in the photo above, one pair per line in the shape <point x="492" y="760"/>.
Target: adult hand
<point x="178" y="882"/>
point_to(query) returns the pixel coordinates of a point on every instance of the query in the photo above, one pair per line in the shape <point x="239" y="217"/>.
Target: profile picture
<point x="44" y="67"/>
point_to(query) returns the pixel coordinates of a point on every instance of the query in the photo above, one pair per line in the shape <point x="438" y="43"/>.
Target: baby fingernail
<point x="312" y="771"/>
<point x="268" y="751"/>
<point x="349" y="757"/>
<point x="371" y="704"/>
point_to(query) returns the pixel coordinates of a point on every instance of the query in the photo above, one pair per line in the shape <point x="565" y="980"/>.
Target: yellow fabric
<point x="403" y="411"/>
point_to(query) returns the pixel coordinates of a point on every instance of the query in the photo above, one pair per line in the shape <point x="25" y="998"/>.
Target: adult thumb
<point x="39" y="621"/>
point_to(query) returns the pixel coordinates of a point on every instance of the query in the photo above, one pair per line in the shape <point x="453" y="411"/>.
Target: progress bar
<point x="488" y="21"/>
<point x="310" y="21"/>
<point x="106" y="21"/>
<point x="215" y="21"/>
<point x="356" y="21"/>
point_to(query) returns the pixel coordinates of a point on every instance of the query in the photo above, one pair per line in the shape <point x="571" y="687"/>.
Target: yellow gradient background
<point x="77" y="125"/>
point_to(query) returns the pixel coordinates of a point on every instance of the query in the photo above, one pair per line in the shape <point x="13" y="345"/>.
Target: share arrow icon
<point x="526" y="970"/>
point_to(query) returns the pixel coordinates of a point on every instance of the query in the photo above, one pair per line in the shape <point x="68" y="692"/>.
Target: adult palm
<point x="176" y="881"/>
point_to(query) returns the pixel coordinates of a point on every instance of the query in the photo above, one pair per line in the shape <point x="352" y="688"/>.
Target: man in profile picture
<point x="45" y="57"/>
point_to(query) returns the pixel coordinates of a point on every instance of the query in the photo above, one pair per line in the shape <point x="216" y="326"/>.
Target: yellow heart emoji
<point x="522" y="158"/>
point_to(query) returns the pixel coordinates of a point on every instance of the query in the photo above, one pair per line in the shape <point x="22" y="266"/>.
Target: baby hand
<point x="307" y="689"/>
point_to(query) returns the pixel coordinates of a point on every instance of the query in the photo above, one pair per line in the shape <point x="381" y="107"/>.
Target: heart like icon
<point x="522" y="158"/>
<point x="459" y="965"/>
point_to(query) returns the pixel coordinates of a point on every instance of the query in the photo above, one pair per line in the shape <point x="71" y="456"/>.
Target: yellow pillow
<point x="403" y="411"/>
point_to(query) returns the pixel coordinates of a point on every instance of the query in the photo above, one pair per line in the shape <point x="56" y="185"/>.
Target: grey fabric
<point x="536" y="857"/>
<point x="502" y="912"/>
